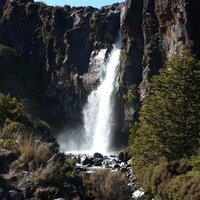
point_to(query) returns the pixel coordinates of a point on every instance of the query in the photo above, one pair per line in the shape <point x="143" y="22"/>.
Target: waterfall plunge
<point x="98" y="110"/>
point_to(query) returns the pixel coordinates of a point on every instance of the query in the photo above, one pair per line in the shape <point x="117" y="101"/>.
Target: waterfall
<point x="98" y="110"/>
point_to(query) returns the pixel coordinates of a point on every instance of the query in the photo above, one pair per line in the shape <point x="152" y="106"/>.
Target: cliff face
<point x="153" y="30"/>
<point x="60" y="42"/>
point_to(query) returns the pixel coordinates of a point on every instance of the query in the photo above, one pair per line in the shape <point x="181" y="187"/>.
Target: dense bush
<point x="106" y="185"/>
<point x="174" y="180"/>
<point x="169" y="127"/>
<point x="11" y="109"/>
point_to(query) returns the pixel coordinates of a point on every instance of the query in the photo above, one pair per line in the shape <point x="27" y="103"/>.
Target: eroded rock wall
<point x="152" y="31"/>
<point x="58" y="40"/>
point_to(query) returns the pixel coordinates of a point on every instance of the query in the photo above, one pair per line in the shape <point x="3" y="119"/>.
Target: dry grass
<point x="37" y="150"/>
<point x="48" y="193"/>
<point x="106" y="185"/>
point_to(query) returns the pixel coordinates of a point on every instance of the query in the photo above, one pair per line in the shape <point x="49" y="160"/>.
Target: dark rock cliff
<point x="153" y="30"/>
<point x="60" y="42"/>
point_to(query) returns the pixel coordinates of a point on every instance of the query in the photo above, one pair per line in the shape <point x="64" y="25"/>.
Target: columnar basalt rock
<point x="59" y="41"/>
<point x="152" y="31"/>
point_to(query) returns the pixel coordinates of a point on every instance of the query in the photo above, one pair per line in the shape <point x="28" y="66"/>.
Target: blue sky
<point x="94" y="3"/>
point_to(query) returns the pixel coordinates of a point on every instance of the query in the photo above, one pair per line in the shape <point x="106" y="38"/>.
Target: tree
<point x="170" y="118"/>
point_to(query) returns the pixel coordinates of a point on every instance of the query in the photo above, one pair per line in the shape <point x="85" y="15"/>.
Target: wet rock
<point x="87" y="161"/>
<point x="80" y="168"/>
<point x="14" y="195"/>
<point x="138" y="195"/>
<point x="59" y="199"/>
<point x="116" y="166"/>
<point x="97" y="161"/>
<point x="98" y="155"/>
<point x="123" y="156"/>
<point x="124" y="169"/>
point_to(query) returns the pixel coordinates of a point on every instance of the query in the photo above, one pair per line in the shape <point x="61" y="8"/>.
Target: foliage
<point x="41" y="126"/>
<point x="12" y="130"/>
<point x="9" y="60"/>
<point x="133" y="131"/>
<point x="9" y="144"/>
<point x="106" y="185"/>
<point x="174" y="180"/>
<point x="54" y="173"/>
<point x="31" y="6"/>
<point x="11" y="109"/>
<point x="131" y="96"/>
<point x="32" y="149"/>
<point x="48" y="193"/>
<point x="169" y="127"/>
<point x="123" y="56"/>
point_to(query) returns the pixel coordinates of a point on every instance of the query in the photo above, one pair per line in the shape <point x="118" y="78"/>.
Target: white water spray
<point x="98" y="110"/>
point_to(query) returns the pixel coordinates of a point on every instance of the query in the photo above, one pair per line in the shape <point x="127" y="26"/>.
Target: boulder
<point x="6" y="158"/>
<point x="98" y="155"/>
<point x="116" y="166"/>
<point x="97" y="161"/>
<point x="87" y="161"/>
<point x="14" y="195"/>
<point x="123" y="156"/>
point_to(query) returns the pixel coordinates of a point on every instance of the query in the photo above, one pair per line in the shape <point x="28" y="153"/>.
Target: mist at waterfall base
<point x="96" y="133"/>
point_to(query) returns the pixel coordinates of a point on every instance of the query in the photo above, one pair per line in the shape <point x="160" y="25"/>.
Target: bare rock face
<point x="58" y="41"/>
<point x="152" y="31"/>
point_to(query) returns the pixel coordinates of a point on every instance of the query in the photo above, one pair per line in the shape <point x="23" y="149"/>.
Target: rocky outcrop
<point x="153" y="30"/>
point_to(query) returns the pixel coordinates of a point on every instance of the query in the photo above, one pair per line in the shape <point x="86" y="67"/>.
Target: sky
<point x="94" y="3"/>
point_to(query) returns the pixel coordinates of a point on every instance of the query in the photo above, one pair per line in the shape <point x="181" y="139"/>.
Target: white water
<point x="98" y="110"/>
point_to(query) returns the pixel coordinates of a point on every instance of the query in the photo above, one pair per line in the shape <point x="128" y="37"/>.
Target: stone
<point x="98" y="155"/>
<point x="2" y="194"/>
<point x="123" y="156"/>
<point x="87" y="160"/>
<point x="59" y="199"/>
<point x="116" y="166"/>
<point x="6" y="158"/>
<point x="14" y="195"/>
<point x="97" y="161"/>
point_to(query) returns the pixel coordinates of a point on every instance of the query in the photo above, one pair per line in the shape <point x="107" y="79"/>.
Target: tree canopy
<point x="170" y="116"/>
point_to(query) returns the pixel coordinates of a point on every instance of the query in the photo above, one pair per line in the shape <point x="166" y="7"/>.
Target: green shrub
<point x="11" y="109"/>
<point x="9" y="144"/>
<point x="9" y="60"/>
<point x="13" y="130"/>
<point x="172" y="180"/>
<point x="41" y="126"/>
<point x="169" y="128"/>
<point x="123" y="56"/>
<point x="169" y="118"/>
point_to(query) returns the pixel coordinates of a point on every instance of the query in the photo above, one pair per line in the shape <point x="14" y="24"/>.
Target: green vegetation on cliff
<point x="166" y="143"/>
